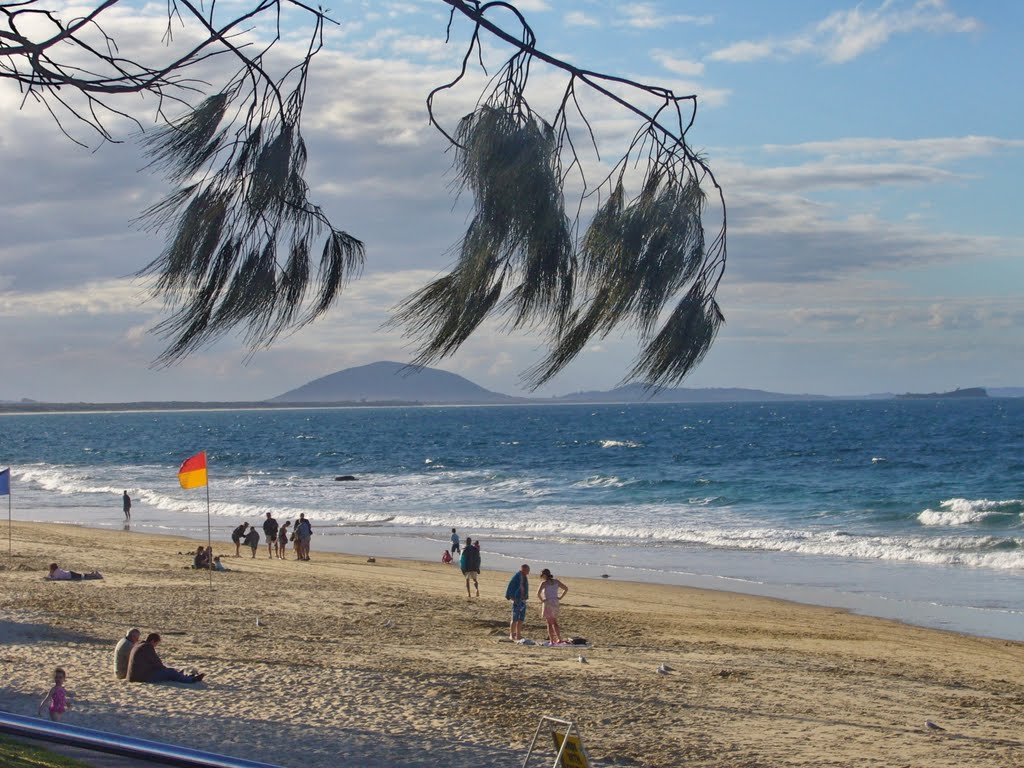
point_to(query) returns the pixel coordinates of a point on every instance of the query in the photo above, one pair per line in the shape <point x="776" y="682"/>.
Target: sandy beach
<point x="388" y="664"/>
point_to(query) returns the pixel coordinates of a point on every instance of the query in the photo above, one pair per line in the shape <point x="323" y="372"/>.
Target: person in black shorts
<point x="270" y="532"/>
<point x="236" y="536"/>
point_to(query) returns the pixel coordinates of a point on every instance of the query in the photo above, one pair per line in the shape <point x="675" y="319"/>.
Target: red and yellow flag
<point x="193" y="471"/>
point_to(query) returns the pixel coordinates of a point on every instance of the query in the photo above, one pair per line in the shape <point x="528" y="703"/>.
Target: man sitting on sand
<point x="144" y="665"/>
<point x="123" y="650"/>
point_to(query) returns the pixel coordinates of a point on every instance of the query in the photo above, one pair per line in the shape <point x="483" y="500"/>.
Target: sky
<point x="870" y="155"/>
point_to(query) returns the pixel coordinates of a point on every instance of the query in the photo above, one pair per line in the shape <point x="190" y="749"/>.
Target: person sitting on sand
<point x="58" y="699"/>
<point x="252" y="539"/>
<point x="550" y="593"/>
<point x="144" y="665"/>
<point x="218" y="565"/>
<point x="59" y="574"/>
<point x="123" y="650"/>
<point x="202" y="559"/>
<point x="446" y="557"/>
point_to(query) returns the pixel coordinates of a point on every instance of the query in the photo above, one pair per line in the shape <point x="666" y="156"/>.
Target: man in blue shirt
<point x="518" y="591"/>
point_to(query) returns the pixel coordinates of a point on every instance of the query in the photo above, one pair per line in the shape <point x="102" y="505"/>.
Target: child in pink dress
<point x="57" y="698"/>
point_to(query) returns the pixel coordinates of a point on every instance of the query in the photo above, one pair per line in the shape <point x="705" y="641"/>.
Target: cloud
<point x="581" y="19"/>
<point x="677" y="66"/>
<point x="840" y="175"/>
<point x="933" y="150"/>
<point x="649" y="16"/>
<point x="845" y="35"/>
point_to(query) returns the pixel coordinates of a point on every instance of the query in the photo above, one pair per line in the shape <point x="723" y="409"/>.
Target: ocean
<point x="905" y="509"/>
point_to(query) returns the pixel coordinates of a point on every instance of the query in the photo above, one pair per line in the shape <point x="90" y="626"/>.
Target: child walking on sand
<point x="57" y="698"/>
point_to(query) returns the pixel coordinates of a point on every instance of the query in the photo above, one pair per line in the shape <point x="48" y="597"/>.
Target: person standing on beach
<point x="282" y="539"/>
<point x="126" y="505"/>
<point x="236" y="536"/>
<point x="123" y="650"/>
<point x="518" y="591"/>
<point x="550" y="594"/>
<point x="252" y="540"/>
<point x="469" y="564"/>
<point x="455" y="543"/>
<point x="303" y="533"/>
<point x="270" y="531"/>
<point x="57" y="698"/>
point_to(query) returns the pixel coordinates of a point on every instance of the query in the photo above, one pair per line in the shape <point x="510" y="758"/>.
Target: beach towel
<point x="570" y="643"/>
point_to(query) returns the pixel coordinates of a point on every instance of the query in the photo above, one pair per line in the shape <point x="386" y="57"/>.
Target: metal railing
<point x="116" y="744"/>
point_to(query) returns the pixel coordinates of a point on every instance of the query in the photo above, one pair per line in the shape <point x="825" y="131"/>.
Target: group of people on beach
<point x="138" y="662"/>
<point x="135" y="660"/>
<point x="277" y="537"/>
<point x="550" y="593"/>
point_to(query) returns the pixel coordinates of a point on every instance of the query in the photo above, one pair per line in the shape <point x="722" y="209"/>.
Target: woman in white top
<point x="550" y="593"/>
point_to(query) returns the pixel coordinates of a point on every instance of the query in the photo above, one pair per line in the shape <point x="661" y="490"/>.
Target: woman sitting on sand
<point x="59" y="574"/>
<point x="550" y="593"/>
<point x="202" y="559"/>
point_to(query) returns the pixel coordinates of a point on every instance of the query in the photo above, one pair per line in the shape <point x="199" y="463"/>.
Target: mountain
<point x="956" y="394"/>
<point x="392" y="382"/>
<point x="637" y="393"/>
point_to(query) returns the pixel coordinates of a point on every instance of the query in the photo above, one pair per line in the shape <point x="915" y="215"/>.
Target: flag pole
<point x="209" y="536"/>
<point x="10" y="555"/>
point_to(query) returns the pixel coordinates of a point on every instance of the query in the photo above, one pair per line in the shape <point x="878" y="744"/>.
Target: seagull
<point x="932" y="726"/>
<point x="258" y="622"/>
<point x="582" y="659"/>
<point x="662" y="670"/>
<point x="386" y="623"/>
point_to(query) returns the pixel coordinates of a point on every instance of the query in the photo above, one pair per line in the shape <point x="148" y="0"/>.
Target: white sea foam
<point x="968" y="511"/>
<point x="620" y="444"/>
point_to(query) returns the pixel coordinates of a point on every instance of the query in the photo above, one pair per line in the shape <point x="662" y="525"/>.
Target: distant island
<point x="956" y="393"/>
<point x="391" y="384"/>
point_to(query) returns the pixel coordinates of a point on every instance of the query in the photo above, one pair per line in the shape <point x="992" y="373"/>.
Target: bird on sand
<point x="582" y="659"/>
<point x="932" y="726"/>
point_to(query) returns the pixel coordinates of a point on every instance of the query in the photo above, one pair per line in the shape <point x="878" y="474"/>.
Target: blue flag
<point x="5" y="482"/>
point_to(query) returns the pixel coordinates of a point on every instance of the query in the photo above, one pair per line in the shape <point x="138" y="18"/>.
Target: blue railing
<point x="116" y="744"/>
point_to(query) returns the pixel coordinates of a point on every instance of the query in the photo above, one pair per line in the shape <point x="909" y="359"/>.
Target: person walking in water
<point x="455" y="543"/>
<point x="550" y="593"/>
<point x="126" y="505"/>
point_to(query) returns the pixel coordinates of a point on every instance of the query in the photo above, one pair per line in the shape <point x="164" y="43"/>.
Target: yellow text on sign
<point x="572" y="756"/>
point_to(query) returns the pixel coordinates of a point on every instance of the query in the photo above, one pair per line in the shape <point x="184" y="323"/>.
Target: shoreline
<point x="857" y="585"/>
<point x="388" y="664"/>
